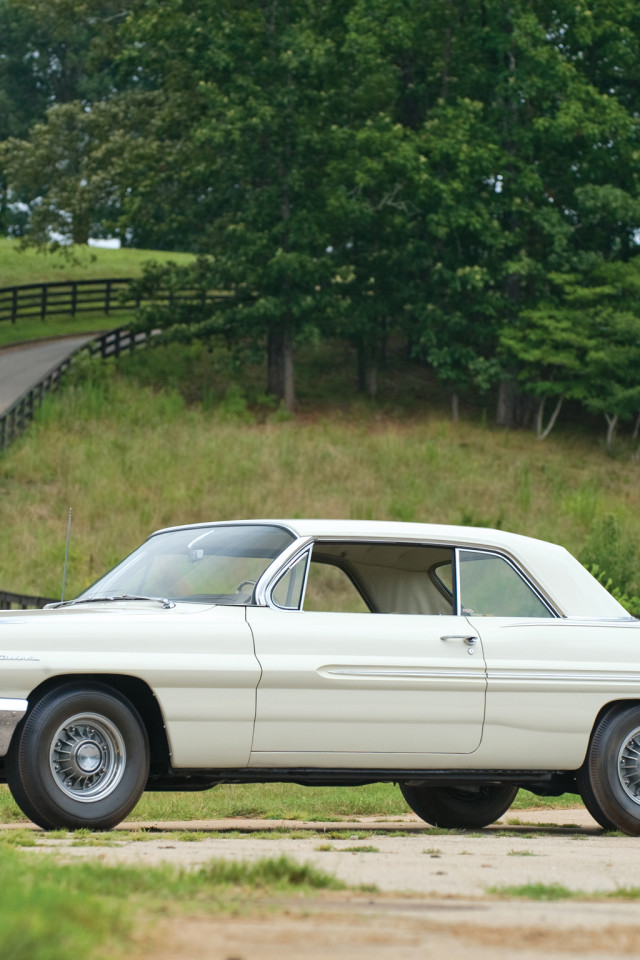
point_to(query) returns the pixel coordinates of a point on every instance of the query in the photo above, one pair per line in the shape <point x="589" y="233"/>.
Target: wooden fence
<point x="70" y="297"/>
<point x="22" y="601"/>
<point x="19" y="415"/>
<point x="66" y="297"/>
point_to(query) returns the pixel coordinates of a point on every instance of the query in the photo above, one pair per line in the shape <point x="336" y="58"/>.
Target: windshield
<point x="218" y="564"/>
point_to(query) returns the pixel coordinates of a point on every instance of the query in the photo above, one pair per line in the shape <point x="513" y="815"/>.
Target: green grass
<point x="148" y="458"/>
<point x="19" y="267"/>
<point x="35" y="329"/>
<point x="556" y="891"/>
<point x="56" y="911"/>
<point x="268" y="801"/>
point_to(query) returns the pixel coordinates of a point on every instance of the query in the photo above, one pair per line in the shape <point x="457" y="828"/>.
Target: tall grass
<point x="130" y="459"/>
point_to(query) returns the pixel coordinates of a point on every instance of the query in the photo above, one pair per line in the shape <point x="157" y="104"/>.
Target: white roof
<point x="569" y="586"/>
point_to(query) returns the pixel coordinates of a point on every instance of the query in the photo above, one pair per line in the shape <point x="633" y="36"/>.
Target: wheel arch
<point x="137" y="692"/>
<point x="613" y="706"/>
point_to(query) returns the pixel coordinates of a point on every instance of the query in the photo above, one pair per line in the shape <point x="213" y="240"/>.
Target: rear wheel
<point x="80" y="758"/>
<point x="609" y="781"/>
<point x="464" y="807"/>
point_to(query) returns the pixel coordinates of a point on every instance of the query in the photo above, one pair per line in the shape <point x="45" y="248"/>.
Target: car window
<point x="491" y="587"/>
<point x="368" y="577"/>
<point x="330" y="588"/>
<point x="217" y="564"/>
<point x="287" y="592"/>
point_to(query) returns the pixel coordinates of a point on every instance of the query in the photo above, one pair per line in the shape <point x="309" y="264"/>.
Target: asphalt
<point x="22" y="367"/>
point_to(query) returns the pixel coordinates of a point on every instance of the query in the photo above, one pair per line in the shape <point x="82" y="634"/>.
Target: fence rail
<point x="22" y="601"/>
<point x="19" y="415"/>
<point x="70" y="297"/>
<point x="65" y="297"/>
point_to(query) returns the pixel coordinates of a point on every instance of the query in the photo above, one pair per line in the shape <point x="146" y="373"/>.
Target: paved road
<point x="22" y="367"/>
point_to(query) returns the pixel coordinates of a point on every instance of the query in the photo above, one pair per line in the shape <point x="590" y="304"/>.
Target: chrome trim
<point x="457" y="603"/>
<point x="547" y="676"/>
<point x="517" y="570"/>
<point x="419" y="673"/>
<point x="11" y="713"/>
<point x="299" y="557"/>
<point x="262" y="592"/>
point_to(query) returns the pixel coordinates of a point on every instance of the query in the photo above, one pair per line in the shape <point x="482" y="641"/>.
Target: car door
<point x="352" y="686"/>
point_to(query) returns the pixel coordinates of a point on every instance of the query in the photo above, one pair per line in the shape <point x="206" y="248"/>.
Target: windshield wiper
<point x="167" y="604"/>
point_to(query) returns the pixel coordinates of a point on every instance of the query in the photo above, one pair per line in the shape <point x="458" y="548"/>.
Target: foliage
<point x="359" y="171"/>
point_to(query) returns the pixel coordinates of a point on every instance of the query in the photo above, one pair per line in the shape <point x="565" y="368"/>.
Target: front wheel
<point x="80" y="758"/>
<point x="468" y="807"/>
<point x="609" y="781"/>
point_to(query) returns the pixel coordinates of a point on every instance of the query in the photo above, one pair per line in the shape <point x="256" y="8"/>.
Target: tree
<point x="587" y="348"/>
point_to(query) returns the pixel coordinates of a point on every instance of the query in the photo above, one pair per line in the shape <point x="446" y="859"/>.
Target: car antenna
<point x="66" y="557"/>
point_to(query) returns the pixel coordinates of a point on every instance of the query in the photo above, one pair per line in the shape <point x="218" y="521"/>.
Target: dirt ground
<point x="435" y="894"/>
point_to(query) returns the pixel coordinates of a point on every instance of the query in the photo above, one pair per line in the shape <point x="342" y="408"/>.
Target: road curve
<point x="22" y="367"/>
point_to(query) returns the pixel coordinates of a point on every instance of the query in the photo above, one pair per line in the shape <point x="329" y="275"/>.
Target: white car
<point x="461" y="663"/>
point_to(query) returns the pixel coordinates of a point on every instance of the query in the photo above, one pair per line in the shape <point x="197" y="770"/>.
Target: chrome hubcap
<point x="87" y="757"/>
<point x="629" y="765"/>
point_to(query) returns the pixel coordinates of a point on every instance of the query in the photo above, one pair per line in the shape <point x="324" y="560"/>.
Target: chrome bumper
<point x="11" y="713"/>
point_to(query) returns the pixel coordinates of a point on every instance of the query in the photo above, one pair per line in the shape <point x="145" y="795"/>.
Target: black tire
<point x="468" y="807"/>
<point x="609" y="781"/>
<point x="79" y="758"/>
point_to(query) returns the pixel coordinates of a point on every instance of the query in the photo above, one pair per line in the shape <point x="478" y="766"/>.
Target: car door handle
<point x="466" y="638"/>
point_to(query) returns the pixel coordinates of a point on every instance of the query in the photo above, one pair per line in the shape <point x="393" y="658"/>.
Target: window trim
<point x="520" y="573"/>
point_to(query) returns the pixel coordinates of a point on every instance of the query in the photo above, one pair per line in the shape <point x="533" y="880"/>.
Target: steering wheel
<point x="245" y="583"/>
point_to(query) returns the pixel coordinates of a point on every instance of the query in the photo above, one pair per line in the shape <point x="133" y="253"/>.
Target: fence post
<point x="43" y="302"/>
<point x="74" y="297"/>
<point x="14" y="305"/>
<point x="107" y="297"/>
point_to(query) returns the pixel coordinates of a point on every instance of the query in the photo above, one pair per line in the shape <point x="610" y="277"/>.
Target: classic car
<point x="460" y="663"/>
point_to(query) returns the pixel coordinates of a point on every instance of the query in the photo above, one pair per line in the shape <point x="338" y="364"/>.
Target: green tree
<point x="585" y="348"/>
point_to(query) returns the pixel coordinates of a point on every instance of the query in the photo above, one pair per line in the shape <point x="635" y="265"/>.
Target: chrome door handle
<point x="469" y="640"/>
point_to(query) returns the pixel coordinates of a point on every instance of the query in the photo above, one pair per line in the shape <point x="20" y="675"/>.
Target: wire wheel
<point x="87" y="757"/>
<point x="629" y="765"/>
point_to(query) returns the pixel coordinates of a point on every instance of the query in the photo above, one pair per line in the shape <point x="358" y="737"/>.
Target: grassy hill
<point x="177" y="435"/>
<point x="18" y="266"/>
<point x="130" y="458"/>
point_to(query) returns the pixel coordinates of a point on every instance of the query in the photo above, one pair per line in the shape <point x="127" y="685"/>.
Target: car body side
<point x="269" y="692"/>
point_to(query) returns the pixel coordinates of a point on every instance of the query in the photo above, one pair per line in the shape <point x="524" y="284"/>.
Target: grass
<point x="268" y="801"/>
<point x="26" y="266"/>
<point x="20" y="266"/>
<point x="556" y="891"/>
<point x="93" y="908"/>
<point x="112" y="449"/>
<point x="32" y="328"/>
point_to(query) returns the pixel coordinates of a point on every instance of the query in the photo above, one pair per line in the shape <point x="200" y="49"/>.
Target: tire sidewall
<point x="610" y="794"/>
<point x="33" y="769"/>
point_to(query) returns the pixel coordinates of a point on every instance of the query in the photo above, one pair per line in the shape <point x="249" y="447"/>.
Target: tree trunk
<point x="367" y="370"/>
<point x="280" y="381"/>
<point x="514" y="407"/>
<point x="543" y="432"/>
<point x="612" y="423"/>
<point x="455" y="407"/>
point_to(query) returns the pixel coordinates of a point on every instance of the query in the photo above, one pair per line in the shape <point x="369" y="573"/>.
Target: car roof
<point x="562" y="578"/>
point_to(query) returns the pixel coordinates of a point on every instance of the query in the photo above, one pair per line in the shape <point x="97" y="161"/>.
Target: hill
<point x="18" y="266"/>
<point x="130" y="458"/>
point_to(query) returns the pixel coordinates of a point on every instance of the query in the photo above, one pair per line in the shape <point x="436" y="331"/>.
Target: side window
<point x="330" y="589"/>
<point x="287" y="592"/>
<point x="491" y="587"/>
